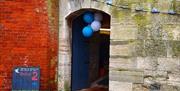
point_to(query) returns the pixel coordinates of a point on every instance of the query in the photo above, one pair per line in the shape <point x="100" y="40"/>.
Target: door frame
<point x="65" y="43"/>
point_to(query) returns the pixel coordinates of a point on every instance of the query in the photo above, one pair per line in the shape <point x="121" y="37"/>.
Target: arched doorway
<point x="90" y="56"/>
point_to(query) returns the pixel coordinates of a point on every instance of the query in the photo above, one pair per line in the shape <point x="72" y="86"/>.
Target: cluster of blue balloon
<point x="94" y="23"/>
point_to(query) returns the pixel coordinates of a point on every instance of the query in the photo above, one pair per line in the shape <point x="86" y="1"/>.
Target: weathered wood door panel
<point x="80" y="56"/>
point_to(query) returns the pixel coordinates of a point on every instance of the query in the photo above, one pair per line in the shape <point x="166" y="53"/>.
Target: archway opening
<point x="90" y="56"/>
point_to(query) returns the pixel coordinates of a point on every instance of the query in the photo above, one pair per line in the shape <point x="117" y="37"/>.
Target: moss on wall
<point x="155" y="48"/>
<point x="176" y="48"/>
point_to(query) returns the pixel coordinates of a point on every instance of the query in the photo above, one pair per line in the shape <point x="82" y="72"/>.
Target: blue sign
<point x="26" y="78"/>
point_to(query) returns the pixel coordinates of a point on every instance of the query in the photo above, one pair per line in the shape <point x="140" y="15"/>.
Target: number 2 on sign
<point x="35" y="76"/>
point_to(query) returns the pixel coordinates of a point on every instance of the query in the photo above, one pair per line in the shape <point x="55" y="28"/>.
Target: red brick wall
<point x="26" y="40"/>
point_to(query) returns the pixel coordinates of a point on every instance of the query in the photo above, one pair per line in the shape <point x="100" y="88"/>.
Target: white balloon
<point x="98" y="16"/>
<point x="96" y="25"/>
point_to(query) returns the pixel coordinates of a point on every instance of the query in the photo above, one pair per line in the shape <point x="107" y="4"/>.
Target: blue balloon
<point x="88" y="17"/>
<point x="87" y="31"/>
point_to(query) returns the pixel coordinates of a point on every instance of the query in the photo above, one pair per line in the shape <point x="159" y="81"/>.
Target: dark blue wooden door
<point x="80" y="56"/>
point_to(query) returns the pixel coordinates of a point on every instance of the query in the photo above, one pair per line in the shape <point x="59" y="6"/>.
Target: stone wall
<point x="145" y="51"/>
<point x="145" y="47"/>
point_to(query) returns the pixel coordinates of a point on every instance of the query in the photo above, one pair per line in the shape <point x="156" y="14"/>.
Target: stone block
<point x="164" y="6"/>
<point x="139" y="48"/>
<point x="120" y="17"/>
<point x="166" y="87"/>
<point x="169" y="64"/>
<point x="120" y="32"/>
<point x="177" y="6"/>
<point x="148" y="73"/>
<point x="122" y="3"/>
<point x="161" y="76"/>
<point x="141" y="20"/>
<point x="169" y="32"/>
<point x="120" y="86"/>
<point x="155" y="28"/>
<point x="155" y="48"/>
<point x="120" y="50"/>
<point x="100" y="6"/>
<point x="85" y="3"/>
<point x="176" y="33"/>
<point x="117" y="2"/>
<point x="172" y="21"/>
<point x="63" y="3"/>
<point x="122" y="25"/>
<point x="155" y="87"/>
<point x="139" y="87"/>
<point x="148" y="81"/>
<point x="147" y="63"/>
<point x="150" y="77"/>
<point x="68" y="6"/>
<point x="122" y="63"/>
<point x="174" y="77"/>
<point x="126" y="76"/>
<point x="74" y="5"/>
<point x="146" y="6"/>
<point x="175" y="45"/>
